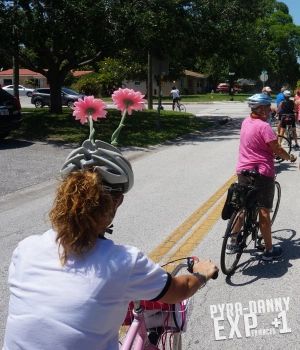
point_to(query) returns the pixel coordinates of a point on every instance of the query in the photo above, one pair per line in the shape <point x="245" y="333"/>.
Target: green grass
<point x="207" y="98"/>
<point x="141" y="128"/>
<point x="198" y="98"/>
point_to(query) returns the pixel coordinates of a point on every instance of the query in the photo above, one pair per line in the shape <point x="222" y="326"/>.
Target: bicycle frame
<point x="138" y="332"/>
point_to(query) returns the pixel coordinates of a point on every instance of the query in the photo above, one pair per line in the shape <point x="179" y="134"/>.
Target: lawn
<point x="198" y="98"/>
<point x="141" y="128"/>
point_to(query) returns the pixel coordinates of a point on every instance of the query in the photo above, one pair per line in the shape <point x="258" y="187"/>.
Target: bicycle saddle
<point x="251" y="173"/>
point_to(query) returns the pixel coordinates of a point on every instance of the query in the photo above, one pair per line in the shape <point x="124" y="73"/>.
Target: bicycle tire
<point x="229" y="262"/>
<point x="176" y="341"/>
<point x="181" y="108"/>
<point x="276" y="202"/>
<point x="286" y="145"/>
<point x="290" y="134"/>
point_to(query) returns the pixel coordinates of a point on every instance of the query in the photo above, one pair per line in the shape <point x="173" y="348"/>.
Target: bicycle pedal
<point x="259" y="245"/>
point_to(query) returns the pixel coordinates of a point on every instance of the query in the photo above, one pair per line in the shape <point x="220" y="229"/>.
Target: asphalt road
<point x="175" y="179"/>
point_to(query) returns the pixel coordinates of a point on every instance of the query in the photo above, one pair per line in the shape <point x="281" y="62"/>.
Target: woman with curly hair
<point x="71" y="286"/>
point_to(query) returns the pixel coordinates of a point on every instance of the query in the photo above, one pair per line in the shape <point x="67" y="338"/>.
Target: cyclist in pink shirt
<point x="297" y="104"/>
<point x="258" y="144"/>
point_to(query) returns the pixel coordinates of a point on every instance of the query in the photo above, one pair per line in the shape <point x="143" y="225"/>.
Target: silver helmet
<point x="104" y="158"/>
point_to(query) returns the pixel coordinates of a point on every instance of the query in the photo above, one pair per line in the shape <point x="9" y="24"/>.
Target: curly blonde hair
<point x="82" y="209"/>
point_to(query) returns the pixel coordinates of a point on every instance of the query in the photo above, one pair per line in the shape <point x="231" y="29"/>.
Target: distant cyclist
<point x="279" y="98"/>
<point x="258" y="144"/>
<point x="288" y="108"/>
<point x="176" y="96"/>
<point x="267" y="91"/>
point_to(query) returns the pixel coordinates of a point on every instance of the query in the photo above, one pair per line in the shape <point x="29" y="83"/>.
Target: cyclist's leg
<point x="265" y="226"/>
<point x="294" y="132"/>
<point x="173" y="105"/>
<point x="279" y="124"/>
<point x="295" y="137"/>
<point x="282" y="132"/>
<point x="266" y="185"/>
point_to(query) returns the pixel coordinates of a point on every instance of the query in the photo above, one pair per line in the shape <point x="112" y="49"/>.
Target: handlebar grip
<point x="215" y="275"/>
<point x="190" y="263"/>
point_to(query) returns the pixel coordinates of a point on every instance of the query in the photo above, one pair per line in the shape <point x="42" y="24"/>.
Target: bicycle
<point x="179" y="107"/>
<point x="245" y="217"/>
<point x="284" y="142"/>
<point x="154" y="324"/>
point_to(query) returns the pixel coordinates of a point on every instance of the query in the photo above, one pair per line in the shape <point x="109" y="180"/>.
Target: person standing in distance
<point x="279" y="99"/>
<point x="176" y="96"/>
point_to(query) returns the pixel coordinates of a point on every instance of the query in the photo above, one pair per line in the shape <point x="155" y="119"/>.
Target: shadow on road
<point x="219" y="132"/>
<point x="259" y="269"/>
<point x="11" y="143"/>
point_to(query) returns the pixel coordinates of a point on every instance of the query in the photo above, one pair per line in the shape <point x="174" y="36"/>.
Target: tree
<point x="270" y="42"/>
<point x="56" y="36"/>
<point x="182" y="30"/>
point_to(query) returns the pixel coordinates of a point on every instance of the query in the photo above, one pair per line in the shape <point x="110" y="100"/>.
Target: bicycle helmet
<point x="104" y="158"/>
<point x="173" y="87"/>
<point x="259" y="100"/>
<point x="286" y="93"/>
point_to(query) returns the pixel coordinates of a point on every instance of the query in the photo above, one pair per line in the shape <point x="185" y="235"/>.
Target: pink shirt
<point x="254" y="152"/>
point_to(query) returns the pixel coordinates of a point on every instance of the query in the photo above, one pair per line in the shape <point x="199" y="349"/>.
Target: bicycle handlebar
<point x="190" y="265"/>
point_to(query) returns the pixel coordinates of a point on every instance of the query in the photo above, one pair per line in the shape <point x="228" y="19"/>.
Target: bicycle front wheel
<point x="276" y="202"/>
<point x="230" y="257"/>
<point x="176" y="341"/>
<point x="181" y="108"/>
<point x="285" y="144"/>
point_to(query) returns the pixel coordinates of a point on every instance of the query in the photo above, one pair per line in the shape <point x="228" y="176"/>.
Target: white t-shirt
<point x="175" y="93"/>
<point x="79" y="306"/>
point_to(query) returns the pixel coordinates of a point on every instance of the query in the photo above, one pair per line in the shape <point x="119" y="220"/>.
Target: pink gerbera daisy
<point x="128" y="99"/>
<point x="89" y="107"/>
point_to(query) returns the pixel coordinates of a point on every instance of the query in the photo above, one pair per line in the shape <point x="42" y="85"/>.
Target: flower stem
<point x="115" y="135"/>
<point x="92" y="130"/>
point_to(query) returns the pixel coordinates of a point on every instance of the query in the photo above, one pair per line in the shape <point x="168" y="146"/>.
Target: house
<point x="190" y="84"/>
<point x="6" y="77"/>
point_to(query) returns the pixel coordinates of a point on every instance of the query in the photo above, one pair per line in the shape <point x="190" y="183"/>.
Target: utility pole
<point x="150" y="82"/>
<point x="16" y="52"/>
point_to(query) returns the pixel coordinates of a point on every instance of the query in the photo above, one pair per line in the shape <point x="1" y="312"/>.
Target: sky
<point x="294" y="9"/>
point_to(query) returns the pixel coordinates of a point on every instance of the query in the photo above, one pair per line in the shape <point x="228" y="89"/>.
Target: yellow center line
<point x="193" y="239"/>
<point x="162" y="249"/>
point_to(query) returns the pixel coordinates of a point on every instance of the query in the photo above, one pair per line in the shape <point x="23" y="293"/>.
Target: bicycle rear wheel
<point x="289" y="134"/>
<point x="229" y="261"/>
<point x="285" y="144"/>
<point x="276" y="202"/>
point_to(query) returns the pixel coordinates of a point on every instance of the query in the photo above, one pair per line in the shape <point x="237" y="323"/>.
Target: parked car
<point x="41" y="97"/>
<point x="10" y="113"/>
<point x="23" y="90"/>
<point x="225" y="87"/>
